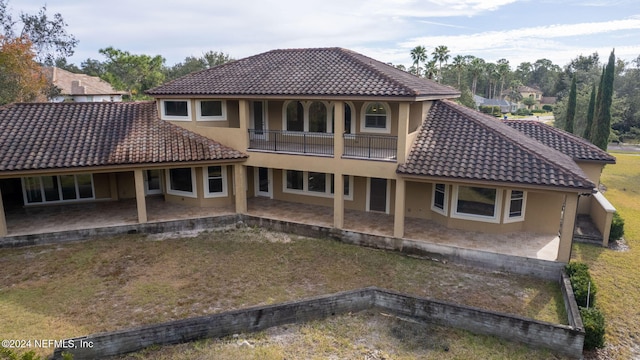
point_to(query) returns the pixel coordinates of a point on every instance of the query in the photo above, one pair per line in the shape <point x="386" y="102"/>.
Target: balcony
<point x="356" y="146"/>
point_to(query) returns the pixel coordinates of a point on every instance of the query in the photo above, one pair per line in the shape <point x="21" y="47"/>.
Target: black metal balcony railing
<point x="371" y="146"/>
<point x="297" y="142"/>
<point x="291" y="141"/>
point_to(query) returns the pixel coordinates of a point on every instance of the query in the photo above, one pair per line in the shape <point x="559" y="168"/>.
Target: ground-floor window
<point x="515" y="206"/>
<point x="215" y="180"/>
<point x="181" y="181"/>
<point x="314" y="183"/>
<point x="477" y="203"/>
<point x="57" y="188"/>
<point x="439" y="196"/>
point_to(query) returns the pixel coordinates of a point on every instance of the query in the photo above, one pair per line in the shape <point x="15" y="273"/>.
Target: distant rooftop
<point x="79" y="84"/>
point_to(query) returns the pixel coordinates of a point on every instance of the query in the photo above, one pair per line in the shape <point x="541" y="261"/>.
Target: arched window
<point x="317" y="117"/>
<point x="376" y="118"/>
<point x="295" y="116"/>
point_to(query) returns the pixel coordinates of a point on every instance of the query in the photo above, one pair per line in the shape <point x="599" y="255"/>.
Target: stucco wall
<point x="543" y="212"/>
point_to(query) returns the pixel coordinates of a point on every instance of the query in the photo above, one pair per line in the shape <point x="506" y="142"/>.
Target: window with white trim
<point x="211" y="110"/>
<point x="349" y="123"/>
<point x="215" y="181"/>
<point x="177" y="110"/>
<point x="439" y="197"/>
<point x="477" y="203"/>
<point x="376" y="118"/>
<point x="310" y="116"/>
<point x="181" y="182"/>
<point x="314" y="183"/>
<point x="517" y="201"/>
<point x="295" y="116"/>
<point x="57" y="188"/>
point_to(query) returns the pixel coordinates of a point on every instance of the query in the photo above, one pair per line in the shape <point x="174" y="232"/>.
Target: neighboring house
<point x="527" y="92"/>
<point x="81" y="87"/>
<point x="292" y="126"/>
<point x="548" y="100"/>
<point x="505" y="106"/>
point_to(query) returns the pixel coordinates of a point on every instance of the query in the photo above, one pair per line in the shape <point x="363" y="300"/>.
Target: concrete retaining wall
<point x="562" y="339"/>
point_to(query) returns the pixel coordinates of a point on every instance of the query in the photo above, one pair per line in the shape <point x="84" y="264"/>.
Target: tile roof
<point x="305" y="72"/>
<point x="458" y="143"/>
<point x="569" y="144"/>
<point x="79" y="84"/>
<point x="39" y="136"/>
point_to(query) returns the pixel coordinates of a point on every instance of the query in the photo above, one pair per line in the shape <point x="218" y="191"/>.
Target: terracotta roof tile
<point x="40" y="136"/>
<point x="567" y="143"/>
<point x="305" y="72"/>
<point x="458" y="143"/>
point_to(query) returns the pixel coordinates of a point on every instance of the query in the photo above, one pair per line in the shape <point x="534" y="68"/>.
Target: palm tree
<point x="418" y="55"/>
<point x="476" y="67"/>
<point x="503" y="71"/>
<point x="459" y="62"/>
<point x="440" y="54"/>
<point x="430" y="69"/>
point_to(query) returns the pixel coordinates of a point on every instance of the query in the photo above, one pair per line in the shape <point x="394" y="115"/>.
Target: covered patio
<point x="48" y="219"/>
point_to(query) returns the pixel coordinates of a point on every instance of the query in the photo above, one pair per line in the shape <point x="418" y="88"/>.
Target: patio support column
<point x="244" y="115"/>
<point x="398" y="219"/>
<point x="568" y="224"/>
<point x="403" y="131"/>
<point x="113" y="186"/>
<point x="338" y="200"/>
<point x="3" y="219"/>
<point x="141" y="203"/>
<point x="240" y="186"/>
<point x="338" y="130"/>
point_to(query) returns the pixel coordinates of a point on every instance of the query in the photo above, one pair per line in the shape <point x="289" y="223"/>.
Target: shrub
<point x="580" y="279"/>
<point x="594" y="328"/>
<point x="617" y="227"/>
<point x="523" y="112"/>
<point x="547" y="108"/>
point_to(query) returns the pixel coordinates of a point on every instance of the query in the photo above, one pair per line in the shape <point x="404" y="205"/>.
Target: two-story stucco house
<point x="81" y="87"/>
<point x="335" y="138"/>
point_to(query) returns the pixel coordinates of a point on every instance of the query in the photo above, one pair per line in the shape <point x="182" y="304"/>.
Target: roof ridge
<point x="566" y="164"/>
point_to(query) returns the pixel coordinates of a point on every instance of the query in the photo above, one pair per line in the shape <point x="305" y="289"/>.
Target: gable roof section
<point x="576" y="147"/>
<point x="305" y="73"/>
<point x="41" y="136"/>
<point x="79" y="84"/>
<point x="460" y="144"/>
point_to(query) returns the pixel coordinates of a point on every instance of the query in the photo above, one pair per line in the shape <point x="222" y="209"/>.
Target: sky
<point x="386" y="30"/>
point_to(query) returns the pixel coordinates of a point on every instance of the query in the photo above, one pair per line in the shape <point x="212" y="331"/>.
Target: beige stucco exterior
<point x="542" y="209"/>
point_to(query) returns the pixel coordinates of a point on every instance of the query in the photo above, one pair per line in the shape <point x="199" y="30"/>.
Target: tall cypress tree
<point x="596" y="111"/>
<point x="590" y="113"/>
<point x="571" y="107"/>
<point x="603" y="119"/>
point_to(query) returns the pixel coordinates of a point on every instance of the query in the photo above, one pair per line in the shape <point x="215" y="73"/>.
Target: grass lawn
<point x="74" y="289"/>
<point x="616" y="273"/>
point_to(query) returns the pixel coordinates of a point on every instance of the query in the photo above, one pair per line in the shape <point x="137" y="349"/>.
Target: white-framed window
<point x="349" y="120"/>
<point x="153" y="181"/>
<point x="314" y="183"/>
<point x="440" y="199"/>
<point x="376" y="118"/>
<point x="311" y="116"/>
<point x="516" y="204"/>
<point x="477" y="203"/>
<point x="215" y="181"/>
<point x="57" y="188"/>
<point x="176" y="110"/>
<point x="211" y="110"/>
<point x="181" y="182"/>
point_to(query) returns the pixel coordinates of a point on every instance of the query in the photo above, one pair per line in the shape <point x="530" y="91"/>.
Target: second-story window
<point x="179" y="110"/>
<point x="311" y="116"/>
<point x="211" y="110"/>
<point x="317" y="117"/>
<point x="376" y="118"/>
<point x="295" y="116"/>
